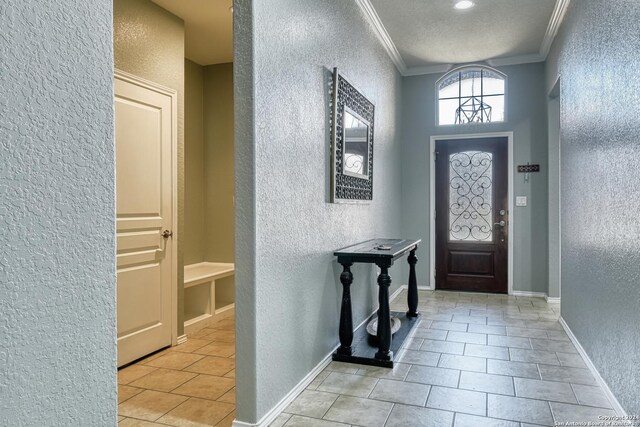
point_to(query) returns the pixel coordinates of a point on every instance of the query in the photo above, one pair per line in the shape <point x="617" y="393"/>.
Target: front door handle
<point x="501" y="223"/>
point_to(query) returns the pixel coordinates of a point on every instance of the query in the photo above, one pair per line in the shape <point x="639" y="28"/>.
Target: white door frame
<point x="432" y="199"/>
<point x="173" y="94"/>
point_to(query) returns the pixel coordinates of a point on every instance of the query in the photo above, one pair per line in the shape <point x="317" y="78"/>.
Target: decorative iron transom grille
<point x="470" y="199"/>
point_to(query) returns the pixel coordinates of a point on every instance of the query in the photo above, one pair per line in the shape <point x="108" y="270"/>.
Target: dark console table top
<point x="369" y="251"/>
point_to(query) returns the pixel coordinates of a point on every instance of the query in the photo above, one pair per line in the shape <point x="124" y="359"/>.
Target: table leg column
<point x="412" y="297"/>
<point x="384" y="316"/>
<point x="346" y="321"/>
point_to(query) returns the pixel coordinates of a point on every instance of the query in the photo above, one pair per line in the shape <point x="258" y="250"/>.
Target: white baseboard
<point x="299" y="388"/>
<point x="182" y="339"/>
<point x="553" y="300"/>
<point x="528" y="294"/>
<point x="420" y="288"/>
<point x="585" y="357"/>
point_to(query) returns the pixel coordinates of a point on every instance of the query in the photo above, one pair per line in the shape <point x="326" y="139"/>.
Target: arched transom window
<point x="471" y="95"/>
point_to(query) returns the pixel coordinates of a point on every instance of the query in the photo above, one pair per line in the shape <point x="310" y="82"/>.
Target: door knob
<point x="501" y="223"/>
<point x="167" y="233"/>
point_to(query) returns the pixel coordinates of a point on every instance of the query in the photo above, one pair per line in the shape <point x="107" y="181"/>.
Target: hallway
<point x="475" y="360"/>
<point x="187" y="385"/>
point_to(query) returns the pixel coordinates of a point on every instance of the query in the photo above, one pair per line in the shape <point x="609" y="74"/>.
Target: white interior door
<point x="145" y="121"/>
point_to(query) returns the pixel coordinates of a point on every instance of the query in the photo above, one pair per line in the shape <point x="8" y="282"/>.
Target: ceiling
<point x="430" y="35"/>
<point x="208" y="28"/>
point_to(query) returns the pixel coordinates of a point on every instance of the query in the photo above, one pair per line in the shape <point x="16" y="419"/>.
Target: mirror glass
<point x="356" y="145"/>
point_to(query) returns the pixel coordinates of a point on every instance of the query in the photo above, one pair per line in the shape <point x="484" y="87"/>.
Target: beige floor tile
<point x="175" y="360"/>
<point x="228" y="397"/>
<point x="218" y="349"/>
<point x="196" y="413"/>
<point x="467" y="337"/>
<point x="206" y="387"/>
<point x="357" y="411"/>
<point x="398" y="372"/>
<point x="405" y="416"/>
<point x="191" y="345"/>
<point x="518" y="409"/>
<point x="318" y="380"/>
<point x="212" y="365"/>
<point x="228" y="420"/>
<point x="400" y="392"/>
<point x="533" y="356"/>
<point x="280" y="420"/>
<point x="438" y="346"/>
<point x="311" y="403"/>
<point x="163" y="380"/>
<point x="513" y="369"/>
<point x="133" y="372"/>
<point x="564" y="413"/>
<point x="488" y="383"/>
<point x="449" y="326"/>
<point x="149" y="405"/>
<point x="433" y="376"/>
<point x="426" y="358"/>
<point x="544" y="390"/>
<point x="465" y="401"/>
<point x="464" y="420"/>
<point x="300" y="421"/>
<point x="591" y="396"/>
<point x="348" y="384"/>
<point x="224" y="336"/>
<point x="231" y="373"/>
<point x="345" y="368"/>
<point x="464" y="363"/>
<point x="512" y="342"/>
<point x="132" y="422"/>
<point x="487" y="351"/>
<point x="567" y="374"/>
<point x="126" y="392"/>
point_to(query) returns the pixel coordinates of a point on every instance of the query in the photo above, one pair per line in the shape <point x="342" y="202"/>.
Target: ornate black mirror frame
<point x="348" y="187"/>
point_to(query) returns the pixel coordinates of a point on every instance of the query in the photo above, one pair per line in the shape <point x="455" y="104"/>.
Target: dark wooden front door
<point x="471" y="214"/>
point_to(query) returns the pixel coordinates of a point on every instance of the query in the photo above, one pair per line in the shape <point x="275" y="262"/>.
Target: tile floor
<point x="475" y="360"/>
<point x="192" y="384"/>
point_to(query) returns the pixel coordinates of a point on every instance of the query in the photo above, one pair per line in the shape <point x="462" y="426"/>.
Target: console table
<point x="383" y="253"/>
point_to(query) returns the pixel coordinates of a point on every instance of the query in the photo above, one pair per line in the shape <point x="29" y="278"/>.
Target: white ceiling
<point x="208" y="28"/>
<point x="430" y="35"/>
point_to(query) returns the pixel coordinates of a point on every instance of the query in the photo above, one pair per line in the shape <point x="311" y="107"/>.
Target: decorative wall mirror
<point x="352" y="143"/>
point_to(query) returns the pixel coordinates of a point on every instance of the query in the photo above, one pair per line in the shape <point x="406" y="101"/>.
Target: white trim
<point x="302" y="385"/>
<point x="516" y="60"/>
<point x="173" y="94"/>
<point x="552" y="300"/>
<point x="432" y="201"/>
<point x="428" y="69"/>
<point x="585" y="357"/>
<point x="182" y="339"/>
<point x="528" y="294"/>
<point x="373" y="18"/>
<point x="554" y="25"/>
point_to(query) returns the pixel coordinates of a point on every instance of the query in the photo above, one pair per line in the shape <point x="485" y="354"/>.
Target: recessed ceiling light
<point x="231" y="9"/>
<point x="464" y="4"/>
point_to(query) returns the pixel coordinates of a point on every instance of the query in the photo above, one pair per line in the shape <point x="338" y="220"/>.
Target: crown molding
<point x="554" y="25"/>
<point x="516" y="60"/>
<point x="555" y="21"/>
<point x="373" y="18"/>
<point x="428" y="69"/>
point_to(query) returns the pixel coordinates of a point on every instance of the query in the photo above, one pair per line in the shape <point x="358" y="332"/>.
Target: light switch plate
<point x="521" y="200"/>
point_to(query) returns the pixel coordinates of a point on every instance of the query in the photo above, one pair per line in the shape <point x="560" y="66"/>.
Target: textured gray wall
<point x="288" y="275"/>
<point x="57" y="204"/>
<point x="527" y="119"/>
<point x="597" y="54"/>
<point x="553" y="114"/>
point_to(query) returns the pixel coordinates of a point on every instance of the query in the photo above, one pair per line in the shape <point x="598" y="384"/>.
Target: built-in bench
<point x="203" y="303"/>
